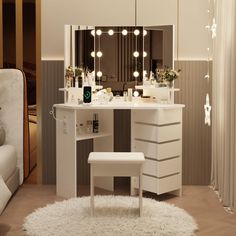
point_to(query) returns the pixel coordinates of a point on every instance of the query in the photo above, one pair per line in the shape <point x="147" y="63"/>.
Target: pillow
<point x="2" y="135"/>
<point x="5" y="194"/>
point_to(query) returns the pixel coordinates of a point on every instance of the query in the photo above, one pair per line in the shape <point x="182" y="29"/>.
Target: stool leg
<point x="141" y="193"/>
<point x="91" y="191"/>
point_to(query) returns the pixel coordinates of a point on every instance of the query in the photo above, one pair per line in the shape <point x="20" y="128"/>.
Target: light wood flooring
<point x="200" y="201"/>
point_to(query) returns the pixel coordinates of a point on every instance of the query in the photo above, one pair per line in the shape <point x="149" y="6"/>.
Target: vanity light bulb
<point x="136" y="74"/>
<point x="136" y="32"/>
<point x="92" y="54"/>
<point x="144" y="32"/>
<point x="136" y="54"/>
<point x="144" y="54"/>
<point x="136" y="93"/>
<point x="110" y="32"/>
<point x="99" y="54"/>
<point x="99" y="74"/>
<point x="99" y="32"/>
<point x="124" y="32"/>
<point x="93" y="32"/>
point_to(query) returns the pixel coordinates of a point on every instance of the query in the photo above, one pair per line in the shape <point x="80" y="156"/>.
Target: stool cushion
<point x="116" y="158"/>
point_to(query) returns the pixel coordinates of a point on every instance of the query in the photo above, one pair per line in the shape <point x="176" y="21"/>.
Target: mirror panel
<point x="110" y="53"/>
<point x="158" y="45"/>
<point x="115" y="59"/>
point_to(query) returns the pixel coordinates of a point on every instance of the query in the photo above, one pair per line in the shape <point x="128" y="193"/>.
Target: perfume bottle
<point x="95" y="123"/>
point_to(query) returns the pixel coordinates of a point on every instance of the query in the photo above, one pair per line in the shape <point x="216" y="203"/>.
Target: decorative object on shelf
<point x="104" y="96"/>
<point x="166" y="76"/>
<point x="95" y="123"/>
<point x="89" y="126"/>
<point x="69" y="77"/>
<point x="78" y="77"/>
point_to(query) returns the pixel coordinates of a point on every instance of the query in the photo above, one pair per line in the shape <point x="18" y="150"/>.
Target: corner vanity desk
<point x="156" y="130"/>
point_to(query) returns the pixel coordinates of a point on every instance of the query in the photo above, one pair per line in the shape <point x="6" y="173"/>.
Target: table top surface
<point x="121" y="105"/>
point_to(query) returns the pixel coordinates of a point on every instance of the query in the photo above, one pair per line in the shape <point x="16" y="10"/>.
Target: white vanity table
<point x="156" y="130"/>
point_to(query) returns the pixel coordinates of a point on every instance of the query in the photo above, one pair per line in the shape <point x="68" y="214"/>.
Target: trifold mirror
<point x="120" y="56"/>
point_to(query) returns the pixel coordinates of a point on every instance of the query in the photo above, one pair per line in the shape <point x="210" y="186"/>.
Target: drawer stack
<point x="158" y="134"/>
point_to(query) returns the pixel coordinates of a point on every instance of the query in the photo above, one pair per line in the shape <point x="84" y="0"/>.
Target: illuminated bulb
<point x="136" y="32"/>
<point x="93" y="32"/>
<point x="124" y="32"/>
<point x="92" y="54"/>
<point x="99" y="54"/>
<point x="99" y="32"/>
<point x="144" y="54"/>
<point x="136" y="54"/>
<point x="136" y="74"/>
<point x="136" y="93"/>
<point x="99" y="74"/>
<point x="110" y="32"/>
<point x="144" y="32"/>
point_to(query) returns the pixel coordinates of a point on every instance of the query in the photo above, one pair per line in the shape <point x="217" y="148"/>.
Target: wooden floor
<point x="200" y="201"/>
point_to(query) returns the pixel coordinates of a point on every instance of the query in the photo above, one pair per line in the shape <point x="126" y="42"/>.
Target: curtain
<point x="223" y="176"/>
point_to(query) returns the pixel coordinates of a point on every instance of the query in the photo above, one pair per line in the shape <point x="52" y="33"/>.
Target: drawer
<point x="163" y="185"/>
<point x="157" y="134"/>
<point x="158" y="117"/>
<point x="162" y="168"/>
<point x="158" y="151"/>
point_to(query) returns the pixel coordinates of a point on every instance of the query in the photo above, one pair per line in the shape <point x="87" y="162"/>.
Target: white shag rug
<point x="114" y="215"/>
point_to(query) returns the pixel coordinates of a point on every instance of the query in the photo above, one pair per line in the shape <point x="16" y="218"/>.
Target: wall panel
<point x="52" y="79"/>
<point x="196" y="135"/>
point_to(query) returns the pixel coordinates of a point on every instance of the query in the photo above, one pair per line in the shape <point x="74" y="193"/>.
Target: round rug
<point x="114" y="215"/>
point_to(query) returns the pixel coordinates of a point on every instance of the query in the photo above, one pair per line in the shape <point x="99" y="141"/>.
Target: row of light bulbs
<point x="135" y="54"/>
<point x="135" y="74"/>
<point x="124" y="32"/>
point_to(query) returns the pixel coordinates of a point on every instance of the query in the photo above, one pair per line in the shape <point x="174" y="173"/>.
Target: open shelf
<point x="85" y="136"/>
<point x="141" y="87"/>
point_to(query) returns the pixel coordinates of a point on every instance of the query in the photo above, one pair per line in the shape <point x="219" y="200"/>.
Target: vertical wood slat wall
<point x="196" y="135"/>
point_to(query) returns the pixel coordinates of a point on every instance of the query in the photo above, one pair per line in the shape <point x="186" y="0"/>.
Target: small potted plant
<point x="166" y="76"/>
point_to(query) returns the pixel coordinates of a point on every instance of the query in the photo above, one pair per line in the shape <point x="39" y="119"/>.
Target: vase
<point x="170" y="84"/>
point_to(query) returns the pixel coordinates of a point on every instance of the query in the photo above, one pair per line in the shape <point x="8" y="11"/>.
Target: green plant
<point x="166" y="74"/>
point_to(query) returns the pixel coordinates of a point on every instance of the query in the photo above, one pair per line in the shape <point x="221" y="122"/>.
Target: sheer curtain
<point x="223" y="176"/>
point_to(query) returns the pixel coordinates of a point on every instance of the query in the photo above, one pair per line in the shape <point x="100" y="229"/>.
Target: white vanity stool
<point x="116" y="164"/>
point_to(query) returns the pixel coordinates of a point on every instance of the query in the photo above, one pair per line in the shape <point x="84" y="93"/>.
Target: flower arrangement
<point x="167" y="75"/>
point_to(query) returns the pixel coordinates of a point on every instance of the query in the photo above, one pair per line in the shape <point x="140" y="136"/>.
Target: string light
<point x="99" y="54"/>
<point x="136" y="74"/>
<point x="93" y="32"/>
<point x="92" y="54"/>
<point x="136" y="32"/>
<point x="211" y="28"/>
<point x="99" y="74"/>
<point x="136" y="54"/>
<point x="110" y="32"/>
<point x="99" y="32"/>
<point x="124" y="32"/>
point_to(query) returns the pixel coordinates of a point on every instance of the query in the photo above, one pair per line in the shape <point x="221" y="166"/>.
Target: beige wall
<point x="55" y="14"/>
<point x="192" y="17"/>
